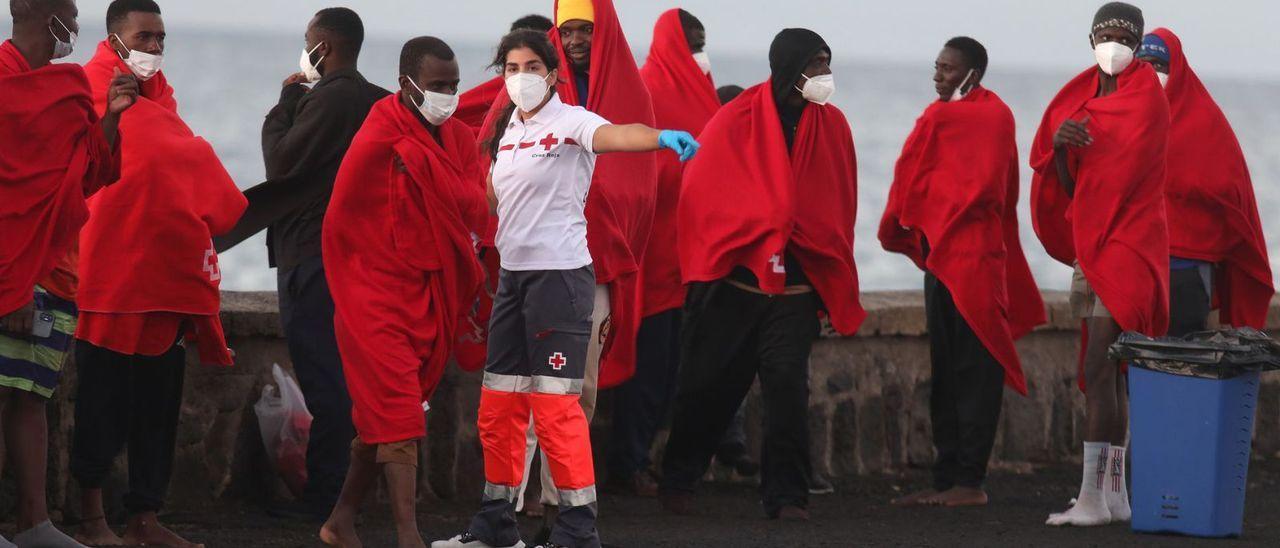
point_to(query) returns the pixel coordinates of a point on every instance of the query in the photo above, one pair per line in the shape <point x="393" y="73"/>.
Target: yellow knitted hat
<point x="575" y="9"/>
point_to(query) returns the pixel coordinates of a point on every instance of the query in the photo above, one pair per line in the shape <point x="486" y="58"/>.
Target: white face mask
<point x="62" y="49"/>
<point x="435" y="107"/>
<point x="957" y="94"/>
<point x="703" y="60"/>
<point x="1164" y="79"/>
<point x="144" y="65"/>
<point x="1113" y="57"/>
<point x="527" y="90"/>
<point x="309" y="70"/>
<point x="819" y="89"/>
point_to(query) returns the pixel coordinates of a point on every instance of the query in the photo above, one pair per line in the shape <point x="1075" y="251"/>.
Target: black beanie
<point x="789" y="55"/>
<point x="1119" y="15"/>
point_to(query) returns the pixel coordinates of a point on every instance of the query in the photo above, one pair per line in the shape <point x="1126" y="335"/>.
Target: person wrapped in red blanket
<point x="1218" y="235"/>
<point x="676" y="73"/>
<point x="760" y="271"/>
<point x="54" y="151"/>
<point x="1098" y="203"/>
<point x="953" y="211"/>
<point x="149" y="281"/>
<point x="399" y="253"/>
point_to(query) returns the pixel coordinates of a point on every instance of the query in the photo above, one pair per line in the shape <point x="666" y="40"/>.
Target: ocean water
<point x="226" y="83"/>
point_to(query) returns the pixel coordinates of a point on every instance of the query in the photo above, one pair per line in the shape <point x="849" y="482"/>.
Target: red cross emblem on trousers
<point x="557" y="361"/>
<point x="547" y="142"/>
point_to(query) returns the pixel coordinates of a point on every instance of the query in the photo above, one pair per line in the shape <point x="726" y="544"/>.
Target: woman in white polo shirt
<point x="543" y="154"/>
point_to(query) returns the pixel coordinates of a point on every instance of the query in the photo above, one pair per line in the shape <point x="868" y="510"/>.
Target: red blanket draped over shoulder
<point x="804" y="202"/>
<point x="1210" y="196"/>
<point x="401" y="264"/>
<point x="620" y="205"/>
<point x="474" y="104"/>
<point x="956" y="184"/>
<point x="683" y="98"/>
<point x="148" y="246"/>
<point x="1115" y="226"/>
<point x="52" y="155"/>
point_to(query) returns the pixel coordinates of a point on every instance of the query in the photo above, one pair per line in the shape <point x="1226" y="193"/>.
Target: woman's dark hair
<point x="522" y="38"/>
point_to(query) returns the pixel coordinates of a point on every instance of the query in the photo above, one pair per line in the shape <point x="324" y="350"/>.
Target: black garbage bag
<point x="1221" y="354"/>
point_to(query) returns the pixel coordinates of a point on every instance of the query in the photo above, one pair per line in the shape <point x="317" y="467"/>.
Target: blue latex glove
<point x="680" y="142"/>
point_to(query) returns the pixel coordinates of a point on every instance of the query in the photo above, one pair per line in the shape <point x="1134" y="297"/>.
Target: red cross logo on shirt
<point x="549" y="141"/>
<point x="557" y="361"/>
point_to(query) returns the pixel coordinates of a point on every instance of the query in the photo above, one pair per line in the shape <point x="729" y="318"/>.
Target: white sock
<point x="1117" y="491"/>
<point x="1091" y="506"/>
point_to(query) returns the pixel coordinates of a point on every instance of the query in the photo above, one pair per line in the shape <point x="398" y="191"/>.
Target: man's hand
<point x="295" y="78"/>
<point x="20" y="321"/>
<point x="1073" y="133"/>
<point x="122" y="93"/>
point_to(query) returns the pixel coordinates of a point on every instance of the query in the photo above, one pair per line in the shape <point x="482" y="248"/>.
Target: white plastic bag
<point x="285" y="424"/>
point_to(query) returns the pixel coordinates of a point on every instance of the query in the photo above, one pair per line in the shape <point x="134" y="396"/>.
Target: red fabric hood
<point x="474" y="104"/>
<point x="1115" y="226"/>
<point x="804" y="202"/>
<point x="683" y="98"/>
<point x="956" y="184"/>
<point x="1210" y="194"/>
<point x="148" y="245"/>
<point x="54" y="154"/>
<point x="398" y="248"/>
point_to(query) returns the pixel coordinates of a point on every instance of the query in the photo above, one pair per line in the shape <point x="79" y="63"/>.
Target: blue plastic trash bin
<point x="1191" y="439"/>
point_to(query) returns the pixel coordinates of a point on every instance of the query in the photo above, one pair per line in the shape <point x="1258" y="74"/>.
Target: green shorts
<point x="34" y="364"/>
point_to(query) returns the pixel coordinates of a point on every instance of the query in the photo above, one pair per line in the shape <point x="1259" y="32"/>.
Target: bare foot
<point x="958" y="496"/>
<point x="336" y="533"/>
<point x="146" y="530"/>
<point x="914" y="499"/>
<point x="96" y="532"/>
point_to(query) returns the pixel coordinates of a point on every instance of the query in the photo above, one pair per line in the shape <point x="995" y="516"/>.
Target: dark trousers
<point x="729" y="337"/>
<point x="641" y="404"/>
<point x="968" y="391"/>
<point x="1189" y="303"/>
<point x="127" y="400"/>
<point x="306" y="313"/>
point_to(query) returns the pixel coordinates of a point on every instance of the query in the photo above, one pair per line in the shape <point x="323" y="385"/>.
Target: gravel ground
<point x="857" y="515"/>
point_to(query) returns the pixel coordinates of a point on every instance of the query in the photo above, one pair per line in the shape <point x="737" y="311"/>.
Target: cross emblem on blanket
<point x="557" y="361"/>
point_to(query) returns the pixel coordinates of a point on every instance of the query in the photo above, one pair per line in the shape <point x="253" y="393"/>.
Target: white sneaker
<point x="468" y="540"/>
<point x="1090" y="508"/>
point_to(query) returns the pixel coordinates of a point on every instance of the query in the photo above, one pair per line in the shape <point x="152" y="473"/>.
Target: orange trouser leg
<point x="565" y="437"/>
<point x="503" y="420"/>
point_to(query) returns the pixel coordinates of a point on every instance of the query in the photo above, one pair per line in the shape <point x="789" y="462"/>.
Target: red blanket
<point x="804" y="202"/>
<point x="1115" y="226"/>
<point x="956" y="184"/>
<point x="53" y="155"/>
<point x="401" y="264"/>
<point x="621" y="203"/>
<point x="473" y="104"/>
<point x="148" y="246"/>
<point x="683" y="98"/>
<point x="1210" y="196"/>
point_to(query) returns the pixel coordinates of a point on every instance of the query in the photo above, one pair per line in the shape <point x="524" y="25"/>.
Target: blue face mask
<point x="62" y="49"/>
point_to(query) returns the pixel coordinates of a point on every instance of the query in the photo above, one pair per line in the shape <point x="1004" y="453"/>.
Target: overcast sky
<point x="1223" y="37"/>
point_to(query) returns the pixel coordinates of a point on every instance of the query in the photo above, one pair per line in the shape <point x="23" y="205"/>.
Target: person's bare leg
<point x="1102" y="385"/>
<point x="1120" y="434"/>
<point x="27" y="437"/>
<point x="340" y="529"/>
<point x="94" y="530"/>
<point x="1103" y="416"/>
<point x="145" y="529"/>
<point x="402" y="486"/>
